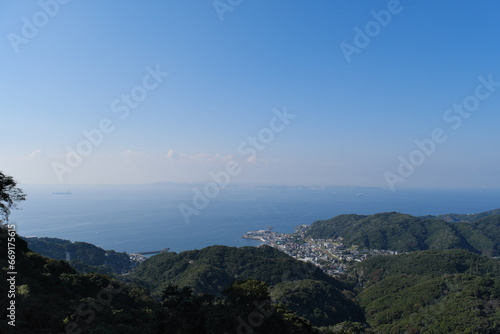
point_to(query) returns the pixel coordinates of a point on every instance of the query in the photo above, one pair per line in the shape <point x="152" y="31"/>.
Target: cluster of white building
<point x="331" y="255"/>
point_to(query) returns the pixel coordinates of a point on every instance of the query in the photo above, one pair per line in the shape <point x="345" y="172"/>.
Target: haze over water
<point x="137" y="218"/>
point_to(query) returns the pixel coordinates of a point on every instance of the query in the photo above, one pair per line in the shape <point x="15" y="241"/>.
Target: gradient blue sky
<point x="353" y="120"/>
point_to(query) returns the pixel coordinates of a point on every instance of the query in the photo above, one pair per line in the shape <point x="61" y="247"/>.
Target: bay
<point x="137" y="218"/>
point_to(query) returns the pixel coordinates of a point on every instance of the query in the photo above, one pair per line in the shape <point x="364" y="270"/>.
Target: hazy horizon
<point x="391" y="94"/>
<point x="123" y="217"/>
<point x="67" y="186"/>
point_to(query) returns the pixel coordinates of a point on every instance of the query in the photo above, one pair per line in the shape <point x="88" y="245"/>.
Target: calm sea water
<point x="146" y="217"/>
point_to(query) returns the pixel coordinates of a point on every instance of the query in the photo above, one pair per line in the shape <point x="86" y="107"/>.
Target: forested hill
<point x="426" y="263"/>
<point x="84" y="257"/>
<point x="468" y="217"/>
<point x="52" y="297"/>
<point x="212" y="269"/>
<point x="438" y="291"/>
<point x="404" y="233"/>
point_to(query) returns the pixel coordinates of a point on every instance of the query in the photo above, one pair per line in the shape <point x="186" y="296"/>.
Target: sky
<point x="391" y="94"/>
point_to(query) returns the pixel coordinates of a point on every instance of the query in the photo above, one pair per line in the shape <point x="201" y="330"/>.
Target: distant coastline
<point x="133" y="218"/>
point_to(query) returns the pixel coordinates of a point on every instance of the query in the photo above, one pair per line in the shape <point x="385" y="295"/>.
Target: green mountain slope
<point x="317" y="301"/>
<point x="404" y="233"/>
<point x="296" y="286"/>
<point x="468" y="217"/>
<point x="456" y="303"/>
<point x="52" y="297"/>
<point x="438" y="291"/>
<point x="426" y="263"/>
<point x="223" y="289"/>
<point x="84" y="257"/>
<point x="482" y="234"/>
<point x="212" y="269"/>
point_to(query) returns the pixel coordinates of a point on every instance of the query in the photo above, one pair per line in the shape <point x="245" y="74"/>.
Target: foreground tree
<point x="10" y="195"/>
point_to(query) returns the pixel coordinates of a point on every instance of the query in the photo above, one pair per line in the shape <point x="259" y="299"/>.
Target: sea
<point x="141" y="218"/>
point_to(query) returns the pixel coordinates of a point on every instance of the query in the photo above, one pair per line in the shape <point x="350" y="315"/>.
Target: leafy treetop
<point x="9" y="195"/>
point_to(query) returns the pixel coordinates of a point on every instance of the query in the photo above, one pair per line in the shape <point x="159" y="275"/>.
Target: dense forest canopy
<point x="383" y="294"/>
<point x="406" y="233"/>
<point x="83" y="256"/>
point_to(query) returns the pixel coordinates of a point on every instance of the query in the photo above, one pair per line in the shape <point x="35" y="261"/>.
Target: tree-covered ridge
<point x="299" y="287"/>
<point x="52" y="297"/>
<point x="317" y="301"/>
<point x="433" y="263"/>
<point x="439" y="291"/>
<point x="243" y="307"/>
<point x="212" y="269"/>
<point x="405" y="233"/>
<point x="84" y="257"/>
<point x="467" y="217"/>
<point x="483" y="234"/>
<point x="456" y="303"/>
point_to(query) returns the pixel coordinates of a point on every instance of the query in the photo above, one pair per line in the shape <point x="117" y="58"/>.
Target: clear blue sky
<point x="353" y="119"/>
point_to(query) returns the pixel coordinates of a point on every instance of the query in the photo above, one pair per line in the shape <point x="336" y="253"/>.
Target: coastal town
<point x="330" y="255"/>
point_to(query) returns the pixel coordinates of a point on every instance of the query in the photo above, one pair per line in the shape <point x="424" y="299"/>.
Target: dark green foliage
<point x="431" y="292"/>
<point x="51" y="294"/>
<point x="244" y="307"/>
<point x="53" y="297"/>
<point x="10" y="195"/>
<point x="457" y="303"/>
<point x="483" y="234"/>
<point x="82" y="267"/>
<point x="434" y="263"/>
<point x="246" y="292"/>
<point x="317" y="301"/>
<point x="182" y="312"/>
<point x="405" y="233"/>
<point x="471" y="217"/>
<point x="84" y="257"/>
<point x="219" y="290"/>
<point x="394" y="231"/>
<point x="212" y="269"/>
<point x="346" y="327"/>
